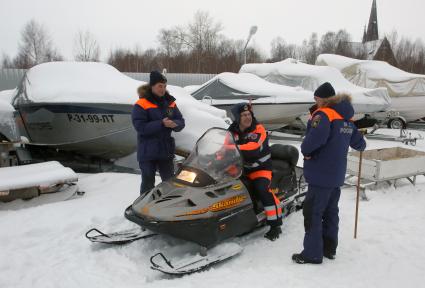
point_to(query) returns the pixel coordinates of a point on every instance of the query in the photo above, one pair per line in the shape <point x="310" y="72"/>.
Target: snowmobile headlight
<point x="187" y="176"/>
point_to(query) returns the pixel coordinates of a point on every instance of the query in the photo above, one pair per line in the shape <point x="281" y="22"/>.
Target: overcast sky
<point x="127" y="23"/>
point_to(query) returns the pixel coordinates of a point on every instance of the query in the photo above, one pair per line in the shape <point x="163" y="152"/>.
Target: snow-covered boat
<point x="8" y="128"/>
<point x="86" y="107"/>
<point x="407" y="90"/>
<point x="294" y="73"/>
<point x="274" y="105"/>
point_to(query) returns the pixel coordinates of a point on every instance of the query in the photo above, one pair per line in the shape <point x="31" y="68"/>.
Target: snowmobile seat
<point x="284" y="161"/>
<point x="286" y="153"/>
<point x="284" y="180"/>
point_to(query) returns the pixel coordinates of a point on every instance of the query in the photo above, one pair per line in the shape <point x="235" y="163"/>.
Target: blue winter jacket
<point x="329" y="135"/>
<point x="154" y="141"/>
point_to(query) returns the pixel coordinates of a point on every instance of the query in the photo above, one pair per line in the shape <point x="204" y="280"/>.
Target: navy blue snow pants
<point x="320" y="221"/>
<point x="149" y="168"/>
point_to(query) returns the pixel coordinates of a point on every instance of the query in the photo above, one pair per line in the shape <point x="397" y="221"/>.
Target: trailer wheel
<point x="396" y="123"/>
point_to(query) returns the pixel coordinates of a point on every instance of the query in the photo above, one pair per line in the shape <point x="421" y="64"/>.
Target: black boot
<point x="299" y="259"/>
<point x="329" y="248"/>
<point x="329" y="255"/>
<point x="273" y="233"/>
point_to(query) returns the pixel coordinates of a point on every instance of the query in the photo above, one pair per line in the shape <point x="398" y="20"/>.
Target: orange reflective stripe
<point x="271" y="212"/>
<point x="172" y="105"/>
<point x="276" y="200"/>
<point x="261" y="174"/>
<point x="145" y="104"/>
<point x="255" y="145"/>
<point x="331" y="113"/>
<point x="249" y="146"/>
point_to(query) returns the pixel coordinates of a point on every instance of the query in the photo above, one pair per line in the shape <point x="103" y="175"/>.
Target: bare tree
<point x="280" y="50"/>
<point x="170" y="41"/>
<point x="393" y="39"/>
<point x="200" y="38"/>
<point x="6" y="62"/>
<point x="344" y="44"/>
<point x="309" y="49"/>
<point x="35" y="47"/>
<point x="328" y="43"/>
<point x="86" y="47"/>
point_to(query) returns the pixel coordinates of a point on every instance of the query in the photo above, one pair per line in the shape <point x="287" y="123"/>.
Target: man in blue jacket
<point x="154" y="117"/>
<point x="330" y="132"/>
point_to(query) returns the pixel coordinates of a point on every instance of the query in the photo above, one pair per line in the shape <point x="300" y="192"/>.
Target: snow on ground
<point x="44" y="246"/>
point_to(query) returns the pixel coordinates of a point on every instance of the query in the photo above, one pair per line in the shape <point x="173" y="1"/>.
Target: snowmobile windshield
<point x="215" y="159"/>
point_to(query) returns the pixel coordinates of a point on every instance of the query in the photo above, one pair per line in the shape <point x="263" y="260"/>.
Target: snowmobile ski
<point x="197" y="263"/>
<point x="121" y="237"/>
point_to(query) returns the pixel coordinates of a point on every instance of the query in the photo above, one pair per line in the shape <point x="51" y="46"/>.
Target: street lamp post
<point x="252" y="31"/>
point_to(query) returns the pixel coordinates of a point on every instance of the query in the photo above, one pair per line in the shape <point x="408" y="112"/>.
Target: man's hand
<point x="169" y="123"/>
<point x="307" y="157"/>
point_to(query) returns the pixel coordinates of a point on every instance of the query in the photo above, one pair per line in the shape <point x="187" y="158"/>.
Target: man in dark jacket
<point x="330" y="132"/>
<point x="253" y="143"/>
<point x="154" y="117"/>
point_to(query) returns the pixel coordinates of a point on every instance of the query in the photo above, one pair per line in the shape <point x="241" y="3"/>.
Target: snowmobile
<point x="209" y="201"/>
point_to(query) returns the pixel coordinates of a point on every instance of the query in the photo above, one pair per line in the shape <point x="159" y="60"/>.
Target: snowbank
<point x="35" y="175"/>
<point x="372" y="74"/>
<point x="294" y="73"/>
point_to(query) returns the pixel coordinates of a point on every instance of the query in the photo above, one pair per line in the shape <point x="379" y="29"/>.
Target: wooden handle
<point x="358" y="194"/>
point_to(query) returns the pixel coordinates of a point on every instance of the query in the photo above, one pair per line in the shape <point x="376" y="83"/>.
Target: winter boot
<point x="329" y="248"/>
<point x="273" y="233"/>
<point x="300" y="259"/>
<point x="329" y="255"/>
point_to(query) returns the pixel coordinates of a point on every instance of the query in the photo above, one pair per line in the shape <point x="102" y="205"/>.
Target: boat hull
<point x="410" y="108"/>
<point x="274" y="115"/>
<point x="93" y="129"/>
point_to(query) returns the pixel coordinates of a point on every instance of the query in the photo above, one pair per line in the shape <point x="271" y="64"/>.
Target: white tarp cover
<point x="254" y="85"/>
<point x="92" y="82"/>
<point x="7" y="121"/>
<point x="35" y="175"/>
<point x="372" y="74"/>
<point x="294" y="73"/>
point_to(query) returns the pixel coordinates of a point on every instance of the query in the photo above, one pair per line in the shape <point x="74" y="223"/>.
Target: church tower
<point x="372" y="29"/>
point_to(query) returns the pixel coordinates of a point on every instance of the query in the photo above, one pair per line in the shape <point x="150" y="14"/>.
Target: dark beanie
<point x="325" y="91"/>
<point x="156" y="77"/>
<point x="237" y="109"/>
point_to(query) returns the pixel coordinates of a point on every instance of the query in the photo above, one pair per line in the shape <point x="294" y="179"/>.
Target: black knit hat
<point x="237" y="109"/>
<point x="156" y="77"/>
<point x="325" y="91"/>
